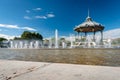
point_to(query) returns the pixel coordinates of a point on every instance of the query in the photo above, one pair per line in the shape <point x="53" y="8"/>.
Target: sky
<point x="44" y="16"/>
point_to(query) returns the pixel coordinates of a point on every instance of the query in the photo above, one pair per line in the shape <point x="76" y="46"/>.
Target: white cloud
<point x="27" y="17"/>
<point x="17" y="27"/>
<point x="28" y="28"/>
<point x="110" y="34"/>
<point x="27" y="11"/>
<point x="40" y="17"/>
<point x="9" y="26"/>
<point x="37" y="9"/>
<point x="7" y="36"/>
<point x="45" y="17"/>
<point x="115" y="33"/>
<point x="50" y="15"/>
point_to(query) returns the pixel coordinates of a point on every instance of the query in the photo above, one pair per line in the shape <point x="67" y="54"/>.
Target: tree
<point x="116" y="41"/>
<point x="26" y="35"/>
<point x="17" y="38"/>
<point x="62" y="39"/>
<point x="2" y="39"/>
<point x="31" y="35"/>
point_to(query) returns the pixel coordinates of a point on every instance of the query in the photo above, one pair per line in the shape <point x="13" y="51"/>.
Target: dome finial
<point x="88" y="17"/>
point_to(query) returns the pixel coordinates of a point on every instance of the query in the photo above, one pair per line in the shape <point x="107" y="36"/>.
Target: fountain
<point x="31" y="45"/>
<point x="50" y="43"/>
<point x="11" y="44"/>
<point x="36" y="45"/>
<point x="71" y="41"/>
<point x="56" y="38"/>
<point x="21" y="44"/>
<point x="63" y="44"/>
<point x="109" y="43"/>
<point x="89" y="42"/>
<point x="25" y="44"/>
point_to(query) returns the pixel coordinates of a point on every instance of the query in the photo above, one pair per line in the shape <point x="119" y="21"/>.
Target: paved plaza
<point x="21" y="70"/>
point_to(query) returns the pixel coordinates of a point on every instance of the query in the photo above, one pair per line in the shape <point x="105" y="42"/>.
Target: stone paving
<point x="21" y="70"/>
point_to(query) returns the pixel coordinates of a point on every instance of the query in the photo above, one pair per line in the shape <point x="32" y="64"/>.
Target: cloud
<point x="37" y="9"/>
<point x="110" y="34"/>
<point x="45" y="17"/>
<point x="50" y="15"/>
<point x="7" y="36"/>
<point x="17" y="27"/>
<point x="115" y="33"/>
<point x="28" y="28"/>
<point x="9" y="26"/>
<point x="40" y="17"/>
<point x="27" y="17"/>
<point x="27" y="11"/>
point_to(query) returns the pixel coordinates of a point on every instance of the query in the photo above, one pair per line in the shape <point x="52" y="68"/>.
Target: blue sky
<point x="44" y="16"/>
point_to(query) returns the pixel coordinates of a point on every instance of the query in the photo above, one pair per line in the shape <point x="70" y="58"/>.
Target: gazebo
<point x="89" y="26"/>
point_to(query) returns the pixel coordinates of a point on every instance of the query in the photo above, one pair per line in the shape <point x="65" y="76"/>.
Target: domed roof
<point x="89" y="23"/>
<point x="89" y="26"/>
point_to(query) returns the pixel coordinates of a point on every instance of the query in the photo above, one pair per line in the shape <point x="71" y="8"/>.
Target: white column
<point x="63" y="45"/>
<point x="50" y="43"/>
<point x="56" y="38"/>
<point x="36" y="44"/>
<point x="21" y="44"/>
<point x="71" y="40"/>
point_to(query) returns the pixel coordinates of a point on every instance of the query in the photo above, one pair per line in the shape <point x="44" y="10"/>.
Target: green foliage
<point x="62" y="39"/>
<point x="83" y="39"/>
<point x="31" y="35"/>
<point x="17" y="38"/>
<point x="2" y="39"/>
<point x="80" y="39"/>
<point x="116" y="41"/>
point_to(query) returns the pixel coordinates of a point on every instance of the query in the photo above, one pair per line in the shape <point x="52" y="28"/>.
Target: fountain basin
<point x="89" y="56"/>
